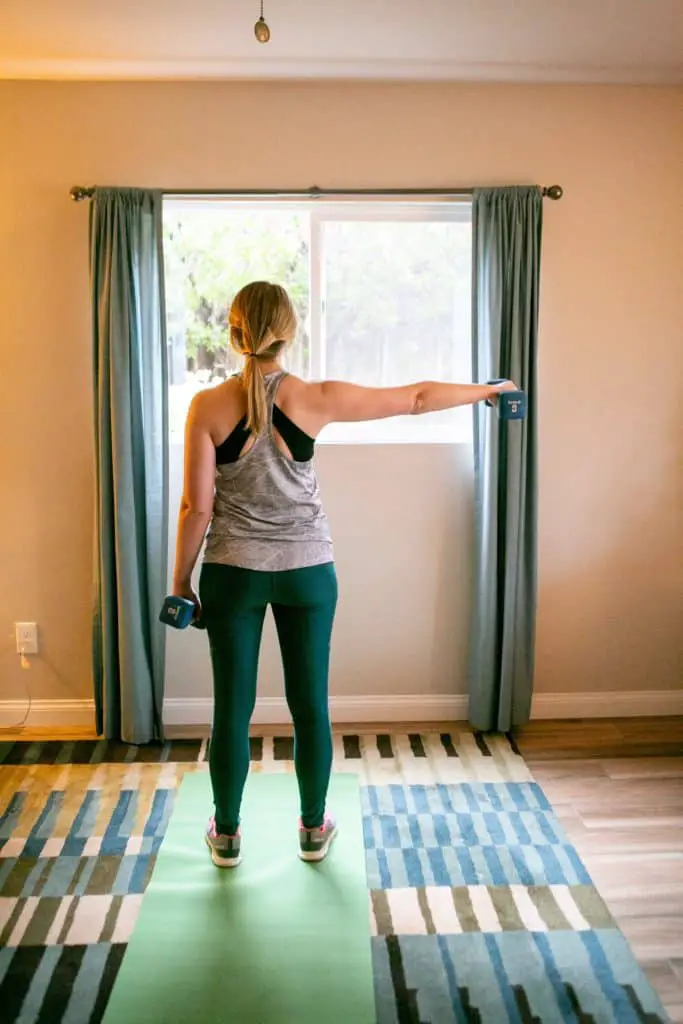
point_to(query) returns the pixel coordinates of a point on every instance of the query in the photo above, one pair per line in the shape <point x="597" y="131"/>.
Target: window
<point x="382" y="291"/>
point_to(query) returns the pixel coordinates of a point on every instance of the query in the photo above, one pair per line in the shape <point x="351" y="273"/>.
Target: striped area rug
<point x="480" y="908"/>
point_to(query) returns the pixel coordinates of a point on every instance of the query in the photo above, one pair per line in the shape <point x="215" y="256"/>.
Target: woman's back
<point x="267" y="513"/>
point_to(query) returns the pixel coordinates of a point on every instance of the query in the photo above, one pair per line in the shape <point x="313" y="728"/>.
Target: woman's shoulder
<point x="216" y="394"/>
<point x="217" y="399"/>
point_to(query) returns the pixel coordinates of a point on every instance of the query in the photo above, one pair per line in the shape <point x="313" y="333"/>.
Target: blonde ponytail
<point x="262" y="321"/>
<point x="255" y="387"/>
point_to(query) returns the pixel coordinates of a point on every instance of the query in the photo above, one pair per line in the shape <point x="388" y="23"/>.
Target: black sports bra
<point x="300" y="444"/>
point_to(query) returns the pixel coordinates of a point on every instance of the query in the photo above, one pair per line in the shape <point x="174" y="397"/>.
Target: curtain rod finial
<point x="78" y="193"/>
<point x="553" y="192"/>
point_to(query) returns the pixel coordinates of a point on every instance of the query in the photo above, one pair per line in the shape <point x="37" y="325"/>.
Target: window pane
<point x="210" y="252"/>
<point x="397" y="301"/>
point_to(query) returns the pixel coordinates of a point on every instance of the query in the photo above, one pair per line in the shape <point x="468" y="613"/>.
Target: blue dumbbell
<point x="179" y="612"/>
<point x="510" y="405"/>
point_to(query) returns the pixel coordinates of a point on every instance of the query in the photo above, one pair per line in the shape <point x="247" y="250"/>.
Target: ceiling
<point x="621" y="41"/>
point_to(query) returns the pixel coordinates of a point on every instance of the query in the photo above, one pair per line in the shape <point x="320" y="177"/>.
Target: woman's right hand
<point x="507" y="385"/>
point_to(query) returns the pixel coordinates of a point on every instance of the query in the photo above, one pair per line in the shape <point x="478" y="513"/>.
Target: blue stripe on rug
<point x="398" y="797"/>
<point x="452" y="980"/>
<point x="385" y="1001"/>
<point x="83" y="825"/>
<point x="419" y="799"/>
<point x="389" y="833"/>
<point x="494" y="828"/>
<point x="413" y="868"/>
<point x="442" y="833"/>
<point x="139" y="873"/>
<point x="60" y="875"/>
<point x="539" y="796"/>
<point x="466" y="831"/>
<point x="554" y="977"/>
<point x="33" y="877"/>
<point x="602" y="969"/>
<point x="383" y="875"/>
<point x="445" y="798"/>
<point x="579" y="868"/>
<point x="159" y="814"/>
<point x="494" y="866"/>
<point x="517" y="822"/>
<point x="437" y="865"/>
<point x="44" y="825"/>
<point x="625" y="970"/>
<point x="415" y="831"/>
<point x="492" y="792"/>
<point x="113" y="841"/>
<point x="553" y="872"/>
<point x="10" y="817"/>
<point x="506" y="992"/>
<point x="468" y="872"/>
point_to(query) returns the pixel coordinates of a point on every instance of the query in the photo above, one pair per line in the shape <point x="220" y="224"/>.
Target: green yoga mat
<point x="274" y="941"/>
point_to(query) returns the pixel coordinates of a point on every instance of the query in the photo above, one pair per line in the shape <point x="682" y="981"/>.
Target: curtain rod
<point x="79" y="192"/>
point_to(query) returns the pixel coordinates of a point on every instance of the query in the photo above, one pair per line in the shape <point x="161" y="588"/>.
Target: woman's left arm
<point x="196" y="506"/>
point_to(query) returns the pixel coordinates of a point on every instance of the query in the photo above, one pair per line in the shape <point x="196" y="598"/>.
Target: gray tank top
<point x="268" y="514"/>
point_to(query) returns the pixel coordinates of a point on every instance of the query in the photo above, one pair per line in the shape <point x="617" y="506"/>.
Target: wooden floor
<point x="602" y="737"/>
<point x="617" y="786"/>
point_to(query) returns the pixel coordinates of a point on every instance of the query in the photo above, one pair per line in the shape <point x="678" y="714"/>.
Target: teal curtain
<point x="131" y="516"/>
<point x="507" y="224"/>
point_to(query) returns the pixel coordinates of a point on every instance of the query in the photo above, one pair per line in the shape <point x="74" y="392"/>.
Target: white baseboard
<point x="180" y="711"/>
<point x="273" y="710"/>
<point x="44" y="714"/>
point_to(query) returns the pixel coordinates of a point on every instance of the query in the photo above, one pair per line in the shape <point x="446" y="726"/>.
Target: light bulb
<point x="261" y="30"/>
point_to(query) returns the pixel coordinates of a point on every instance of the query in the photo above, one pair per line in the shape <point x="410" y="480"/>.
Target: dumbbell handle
<point x="498" y="380"/>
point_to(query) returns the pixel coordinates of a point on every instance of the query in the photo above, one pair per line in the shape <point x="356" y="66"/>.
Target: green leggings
<point x="234" y="603"/>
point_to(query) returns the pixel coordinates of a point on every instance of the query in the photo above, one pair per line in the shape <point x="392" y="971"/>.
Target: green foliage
<point x="212" y="252"/>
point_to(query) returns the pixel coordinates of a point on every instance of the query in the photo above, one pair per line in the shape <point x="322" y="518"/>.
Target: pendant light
<point x="261" y="30"/>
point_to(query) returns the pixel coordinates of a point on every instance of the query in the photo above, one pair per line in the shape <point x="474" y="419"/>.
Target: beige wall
<point x="610" y="365"/>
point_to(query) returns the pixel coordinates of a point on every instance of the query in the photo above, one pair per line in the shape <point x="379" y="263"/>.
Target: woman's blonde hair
<point x="262" y="321"/>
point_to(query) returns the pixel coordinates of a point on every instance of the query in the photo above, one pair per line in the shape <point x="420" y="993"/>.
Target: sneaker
<point x="314" y="843"/>
<point x="225" y="850"/>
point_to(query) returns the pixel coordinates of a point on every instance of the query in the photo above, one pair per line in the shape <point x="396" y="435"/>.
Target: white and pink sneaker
<point x="315" y="843"/>
<point x="225" y="850"/>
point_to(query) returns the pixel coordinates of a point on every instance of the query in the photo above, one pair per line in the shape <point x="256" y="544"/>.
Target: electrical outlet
<point x="27" y="637"/>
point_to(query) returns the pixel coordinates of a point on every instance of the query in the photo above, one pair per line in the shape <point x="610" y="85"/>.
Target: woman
<point x="249" y="446"/>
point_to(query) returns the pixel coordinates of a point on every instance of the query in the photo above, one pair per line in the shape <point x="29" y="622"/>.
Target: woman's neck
<point x="270" y="366"/>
